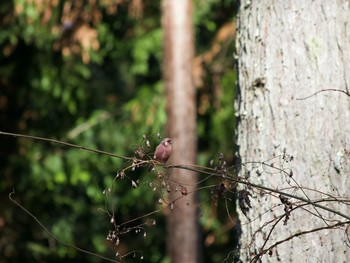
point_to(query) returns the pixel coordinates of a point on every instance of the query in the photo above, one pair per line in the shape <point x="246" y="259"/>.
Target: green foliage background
<point x="101" y="89"/>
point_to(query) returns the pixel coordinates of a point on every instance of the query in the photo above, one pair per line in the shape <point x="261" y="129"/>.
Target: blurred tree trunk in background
<point x="288" y="51"/>
<point x="183" y="237"/>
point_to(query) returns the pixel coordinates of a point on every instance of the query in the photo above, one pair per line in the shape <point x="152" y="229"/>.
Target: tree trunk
<point x="183" y="227"/>
<point x="287" y="51"/>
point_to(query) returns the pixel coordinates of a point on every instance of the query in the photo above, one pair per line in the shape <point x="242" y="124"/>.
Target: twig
<point x="65" y="144"/>
<point x="200" y="169"/>
<point x="296" y="235"/>
<point x="339" y="90"/>
<point x="293" y="196"/>
<point x="51" y="235"/>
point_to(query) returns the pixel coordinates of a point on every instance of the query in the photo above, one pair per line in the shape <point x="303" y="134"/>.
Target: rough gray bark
<point x="289" y="50"/>
<point x="183" y="238"/>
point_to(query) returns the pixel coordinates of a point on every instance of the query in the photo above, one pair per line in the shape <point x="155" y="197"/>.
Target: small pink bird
<point x="163" y="151"/>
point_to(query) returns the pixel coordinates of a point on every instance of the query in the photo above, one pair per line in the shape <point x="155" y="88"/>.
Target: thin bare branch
<point x="51" y="235"/>
<point x="65" y="144"/>
<point x="323" y="90"/>
<point x="339" y="224"/>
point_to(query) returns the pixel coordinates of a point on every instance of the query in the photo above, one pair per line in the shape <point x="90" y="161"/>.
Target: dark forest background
<point x="90" y="73"/>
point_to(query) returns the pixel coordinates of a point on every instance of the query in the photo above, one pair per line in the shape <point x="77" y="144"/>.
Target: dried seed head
<point x="133" y="184"/>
